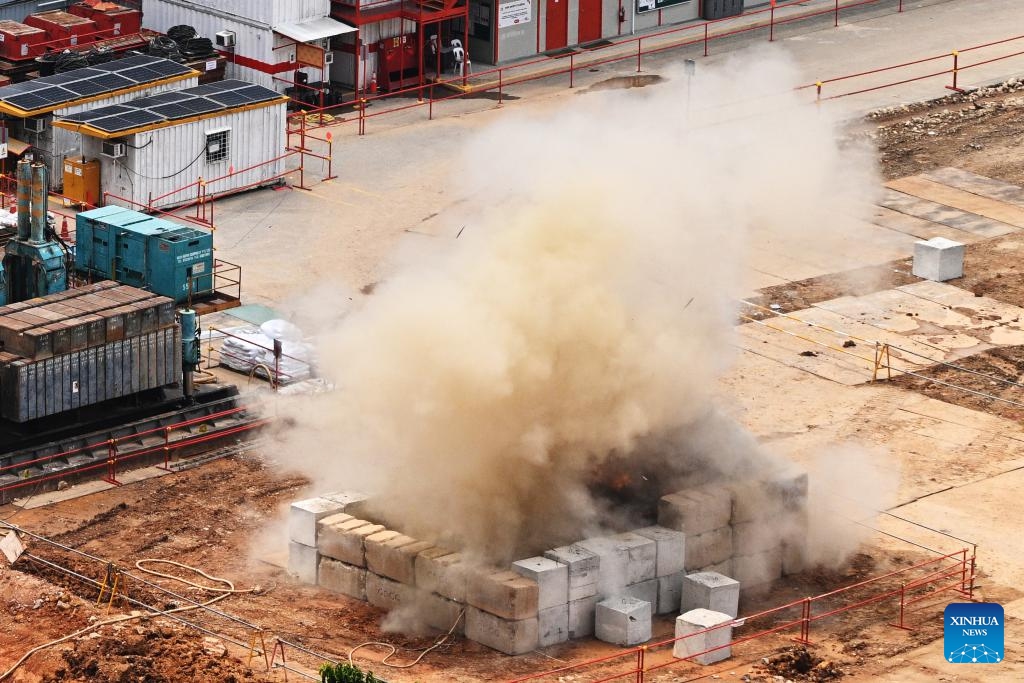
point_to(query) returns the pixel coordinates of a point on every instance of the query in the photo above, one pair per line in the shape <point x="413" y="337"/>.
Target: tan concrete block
<point x="395" y="558"/>
<point x="346" y="541"/>
<point x="513" y="637"/>
<point x="503" y="593"/>
<point x="443" y="572"/>
<point x="343" y="578"/>
<point x="388" y="594"/>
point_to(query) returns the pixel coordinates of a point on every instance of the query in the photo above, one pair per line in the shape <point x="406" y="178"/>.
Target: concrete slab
<point x="302" y="562"/>
<point x="796" y="353"/>
<point x="513" y="637"/>
<point x="695" y="511"/>
<point x="670" y="549"/>
<point x="623" y="621"/>
<point x="920" y="228"/>
<point x="970" y="202"/>
<point x="708" y="548"/>
<point x="303" y="516"/>
<point x="553" y="624"/>
<point x="343" y="541"/>
<point x="581" y="616"/>
<point x="395" y="557"/>
<point x="946" y="215"/>
<point x="584" y="569"/>
<point x="443" y="572"/>
<point x="695" y="638"/>
<point x="387" y="594"/>
<point x="978" y="184"/>
<point x="502" y="593"/>
<point x="342" y="578"/>
<point x="552" y="580"/>
<point x="670" y="593"/>
<point x="710" y="590"/>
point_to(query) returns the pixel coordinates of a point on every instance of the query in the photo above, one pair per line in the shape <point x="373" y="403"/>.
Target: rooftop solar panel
<point x="173" y="111"/>
<point x="29" y="101"/>
<point x="231" y="98"/>
<point x="86" y="88"/>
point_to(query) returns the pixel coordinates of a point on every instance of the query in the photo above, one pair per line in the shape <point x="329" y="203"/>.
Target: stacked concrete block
<point x="443" y="572"/>
<point x="553" y="624"/>
<point x="694" y="636"/>
<point x="938" y="259"/>
<point x="623" y="621"/>
<point x="504" y="607"/>
<point x="513" y="637"/>
<point x="581" y="614"/>
<point x="352" y="502"/>
<point x="439" y="612"/>
<point x="583" y="568"/>
<point x="303" y="517"/>
<point x="769" y="522"/>
<point x="303" y="562"/>
<point x="670" y="593"/>
<point x="710" y="591"/>
<point x="613" y="572"/>
<point x="670" y="561"/>
<point x="646" y="591"/>
<point x="393" y="555"/>
<point x="552" y="580"/>
<point x="345" y="539"/>
<point x="342" y="578"/>
<point x="387" y="594"/>
<point x="758" y="571"/>
<point x="703" y="515"/>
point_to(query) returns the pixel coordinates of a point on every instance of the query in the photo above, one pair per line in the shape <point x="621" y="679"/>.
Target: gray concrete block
<point x="581" y="616"/>
<point x="502" y="593"/>
<point x="710" y="591"/>
<point x="511" y="636"/>
<point x="439" y="612"/>
<point x="552" y="581"/>
<point x="645" y="590"/>
<point x="333" y="541"/>
<point x="670" y="593"/>
<point x="689" y="627"/>
<point x="788" y="486"/>
<point x="342" y="578"/>
<point x="623" y="621"/>
<point x="758" y="569"/>
<point x="938" y="259"/>
<point x="696" y="511"/>
<point x="302" y="562"/>
<point x="670" y="549"/>
<point x="794" y="556"/>
<point x="711" y="547"/>
<point x="554" y="625"/>
<point x="394" y="557"/>
<point x="724" y="568"/>
<point x="388" y="594"/>
<point x="443" y="572"/>
<point x="749" y="538"/>
<point x="584" y="569"/>
<point x="641" y="556"/>
<point x="352" y="502"/>
<point x="749" y="502"/>
<point x="303" y="516"/>
<point x="613" y="576"/>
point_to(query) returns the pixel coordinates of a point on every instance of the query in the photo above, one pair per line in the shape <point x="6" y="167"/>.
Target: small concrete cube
<point x="938" y="259"/>
<point x="302" y="562"/>
<point x="689" y="627"/>
<point x="696" y="511"/>
<point x="710" y="547"/>
<point x="511" y="636"/>
<point x="641" y="556"/>
<point x="670" y="549"/>
<point x="710" y="591"/>
<point x="443" y="572"/>
<point x="584" y="568"/>
<point x="343" y="578"/>
<point x="303" y="516"/>
<point x="552" y="580"/>
<point x="505" y="594"/>
<point x="623" y="621"/>
<point x="388" y="594"/>
<point x="670" y="593"/>
<point x="614" y="564"/>
<point x="581" y="617"/>
<point x="554" y="625"/>
<point x="645" y="590"/>
<point x="759" y="569"/>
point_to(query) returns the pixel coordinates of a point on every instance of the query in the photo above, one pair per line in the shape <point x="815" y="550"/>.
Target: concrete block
<point x="439" y="612"/>
<point x="711" y="547"/>
<point x="670" y="549"/>
<point x="349" y="544"/>
<point x="613" y="576"/>
<point x="695" y="621"/>
<point x="696" y="511"/>
<point x="443" y="572"/>
<point x="794" y="556"/>
<point x="302" y="562"/>
<point x="394" y="557"/>
<point x="331" y="531"/>
<point x="552" y="581"/>
<point x="343" y="578"/>
<point x="645" y="590"/>
<point x="724" y="568"/>
<point x="352" y="502"/>
<point x="511" y="636"/>
<point x="938" y="259"/>
<point x="749" y="538"/>
<point x="584" y="568"/>
<point x="641" y="556"/>
<point x="554" y="625"/>
<point x="623" y="621"/>
<point x="303" y="516"/>
<point x="758" y="569"/>
<point x="581" y="617"/>
<point x="788" y="486"/>
<point x="749" y="502"/>
<point x="503" y="593"/>
<point x="710" y="591"/>
<point x="388" y="594"/>
<point x="670" y="593"/>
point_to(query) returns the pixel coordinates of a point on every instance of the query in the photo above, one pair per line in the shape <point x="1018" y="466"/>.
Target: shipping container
<point x="31" y="389"/>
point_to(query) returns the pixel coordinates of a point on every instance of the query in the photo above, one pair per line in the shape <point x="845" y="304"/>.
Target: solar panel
<point x="172" y="111"/>
<point x="29" y="101"/>
<point x="201" y="105"/>
<point x="93" y="114"/>
<point x="114" y="81"/>
<point x="257" y="93"/>
<point x="86" y="88"/>
<point x="231" y="98"/>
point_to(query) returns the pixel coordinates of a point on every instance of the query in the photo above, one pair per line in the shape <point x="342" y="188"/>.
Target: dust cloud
<point x="581" y="320"/>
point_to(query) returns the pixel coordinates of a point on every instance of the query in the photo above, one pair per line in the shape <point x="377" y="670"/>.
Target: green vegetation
<point x="345" y="673"/>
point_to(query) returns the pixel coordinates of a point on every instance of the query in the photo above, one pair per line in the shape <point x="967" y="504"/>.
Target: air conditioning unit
<point x="328" y="58"/>
<point x="114" y="150"/>
<point x="225" y="39"/>
<point x="36" y="125"/>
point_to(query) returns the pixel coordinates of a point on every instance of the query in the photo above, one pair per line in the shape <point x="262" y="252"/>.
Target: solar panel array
<point x="50" y="92"/>
<point x="170" y="106"/>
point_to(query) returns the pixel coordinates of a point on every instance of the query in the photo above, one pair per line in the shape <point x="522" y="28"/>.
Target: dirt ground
<point x="231" y="532"/>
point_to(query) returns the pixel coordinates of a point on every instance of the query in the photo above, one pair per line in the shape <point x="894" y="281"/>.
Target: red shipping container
<point x="19" y="41"/>
<point x="64" y="29"/>
<point x="111" y="19"/>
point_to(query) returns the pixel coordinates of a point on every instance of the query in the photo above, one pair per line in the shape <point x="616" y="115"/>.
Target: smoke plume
<point x="581" y="320"/>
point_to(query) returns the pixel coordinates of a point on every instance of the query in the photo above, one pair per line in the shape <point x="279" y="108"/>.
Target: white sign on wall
<point x="514" y="13"/>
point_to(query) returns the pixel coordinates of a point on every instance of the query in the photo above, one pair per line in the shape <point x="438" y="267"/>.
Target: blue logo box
<point x="973" y="633"/>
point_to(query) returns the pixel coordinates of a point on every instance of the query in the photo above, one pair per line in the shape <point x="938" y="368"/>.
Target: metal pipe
<point x="24" y="198"/>
<point x="39" y="204"/>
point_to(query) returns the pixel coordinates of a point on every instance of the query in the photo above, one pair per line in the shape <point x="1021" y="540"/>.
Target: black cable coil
<point x="194" y="48"/>
<point x="181" y="33"/>
<point x="162" y="46"/>
<point x="69" y="61"/>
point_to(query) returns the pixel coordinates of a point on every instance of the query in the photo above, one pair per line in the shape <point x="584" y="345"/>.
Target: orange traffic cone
<point x="373" y="85"/>
<point x="64" y="234"/>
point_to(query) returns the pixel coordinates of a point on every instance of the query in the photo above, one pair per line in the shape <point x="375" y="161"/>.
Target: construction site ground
<point x="959" y="457"/>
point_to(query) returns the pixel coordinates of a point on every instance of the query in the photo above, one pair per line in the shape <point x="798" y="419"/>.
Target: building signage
<point x="514" y="13"/>
<point x="309" y="55"/>
<point x="651" y="5"/>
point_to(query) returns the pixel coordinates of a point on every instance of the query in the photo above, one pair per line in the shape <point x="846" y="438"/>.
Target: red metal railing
<point x="798" y="616"/>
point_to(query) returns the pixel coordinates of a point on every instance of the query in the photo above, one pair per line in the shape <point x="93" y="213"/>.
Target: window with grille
<point x="217" y="143"/>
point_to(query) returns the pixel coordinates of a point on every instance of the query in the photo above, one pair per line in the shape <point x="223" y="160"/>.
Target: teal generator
<point x="140" y="250"/>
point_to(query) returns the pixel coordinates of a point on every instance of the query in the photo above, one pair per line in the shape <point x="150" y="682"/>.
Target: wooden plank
<point x="946" y="215"/>
<point x="960" y="199"/>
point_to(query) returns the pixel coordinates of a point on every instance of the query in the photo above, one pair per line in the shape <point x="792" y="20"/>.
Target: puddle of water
<point x="625" y="82"/>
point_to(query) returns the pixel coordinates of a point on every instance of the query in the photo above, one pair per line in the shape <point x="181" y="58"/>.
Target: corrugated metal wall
<point x="269" y="12"/>
<point x="17" y="11"/>
<point x="166" y="159"/>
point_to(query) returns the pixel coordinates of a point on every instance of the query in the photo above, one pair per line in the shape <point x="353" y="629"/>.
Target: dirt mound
<point x="798" y="664"/>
